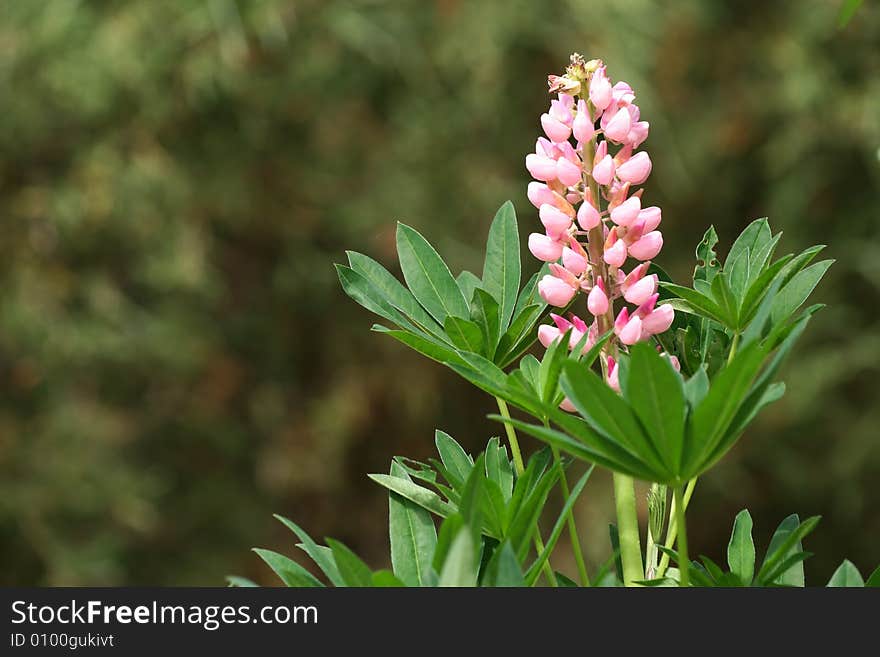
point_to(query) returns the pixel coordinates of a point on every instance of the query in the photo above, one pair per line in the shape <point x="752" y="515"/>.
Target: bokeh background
<point x="177" y="360"/>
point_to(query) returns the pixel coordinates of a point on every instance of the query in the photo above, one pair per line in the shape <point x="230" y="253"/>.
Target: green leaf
<point x="847" y="575"/>
<point x="321" y="555"/>
<point x="726" y="300"/>
<point x="761" y="256"/>
<point x="697" y="303"/>
<point x="290" y="572"/>
<point x="458" y="463"/>
<point x="354" y="571"/>
<point x="498" y="468"/>
<point x="535" y="569"/>
<point x="741" y="549"/>
<point x="738" y="274"/>
<point x="503" y="569"/>
<point x="793" y="295"/>
<point x="713" y="416"/>
<point x="468" y="282"/>
<point x="525" y="519"/>
<point x="393" y="291"/>
<point x="449" y="529"/>
<point x="429" y="347"/>
<point x="520" y="336"/>
<point x="529" y="294"/>
<point x="786" y="541"/>
<point x="240" y="582"/>
<point x="427" y="499"/>
<point x="501" y="270"/>
<point x="363" y="292"/>
<point x="657" y="398"/>
<point x="464" y="334"/>
<point x="610" y="416"/>
<point x="428" y="277"/>
<point x="760" y="287"/>
<point x="460" y="566"/>
<point x="707" y="260"/>
<point x="873" y="580"/>
<point x="697" y="387"/>
<point x="847" y="10"/>
<point x="486" y="314"/>
<point x="753" y="237"/>
<point x="386" y="579"/>
<point x="413" y="535"/>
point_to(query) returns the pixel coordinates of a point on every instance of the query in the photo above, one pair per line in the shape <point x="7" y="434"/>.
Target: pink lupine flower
<point x="574" y="258"/>
<point x="596" y="178"/>
<point x="615" y="250"/>
<point x="613" y="375"/>
<point x="600" y="89"/>
<point x="636" y="169"/>
<point x="625" y="213"/>
<point x="555" y="291"/>
<point x="567" y="406"/>
<point x="619" y="126"/>
<point x="641" y="291"/>
<point x="588" y="216"/>
<point x="555" y="129"/>
<point x="632" y="331"/>
<point x="647" y="247"/>
<point x="544" y="248"/>
<point x="555" y="221"/>
<point x="658" y="320"/>
<point x="548" y="334"/>
<point x="651" y="217"/>
<point x="541" y="167"/>
<point x="597" y="300"/>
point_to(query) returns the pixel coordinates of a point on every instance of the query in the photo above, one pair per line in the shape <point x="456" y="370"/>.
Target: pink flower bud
<point x="573" y="261"/>
<point x="648" y="246"/>
<point x="555" y="292"/>
<point x="588" y="216"/>
<point x="547" y="335"/>
<point x="615" y="250"/>
<point x="632" y="331"/>
<point x="638" y="133"/>
<point x="613" y="375"/>
<point x="555" y="221"/>
<point x="547" y="148"/>
<point x="567" y="406"/>
<point x="568" y="173"/>
<point x="600" y="89"/>
<point x="651" y="217"/>
<point x="544" y="248"/>
<point x="619" y="126"/>
<point x="563" y="274"/>
<point x="626" y="212"/>
<point x="561" y="110"/>
<point x="597" y="300"/>
<point x="648" y="307"/>
<point x="539" y="194"/>
<point x="636" y="169"/>
<point x="582" y="127"/>
<point x="637" y="274"/>
<point x="640" y="292"/>
<point x="672" y="360"/>
<point x="634" y="232"/>
<point x="556" y="130"/>
<point x="621" y="320"/>
<point x="658" y="320"/>
<point x="561" y="323"/>
<point x="603" y="172"/>
<point x="541" y="167"/>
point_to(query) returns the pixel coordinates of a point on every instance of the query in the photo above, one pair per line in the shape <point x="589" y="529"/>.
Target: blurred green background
<point x="177" y="360"/>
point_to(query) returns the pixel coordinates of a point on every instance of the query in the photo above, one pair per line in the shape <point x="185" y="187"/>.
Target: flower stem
<point x="683" y="559"/>
<point x="519" y="466"/>
<point x="572" y="526"/>
<point x="628" y="529"/>
<point x="672" y="531"/>
<point x="733" y="345"/>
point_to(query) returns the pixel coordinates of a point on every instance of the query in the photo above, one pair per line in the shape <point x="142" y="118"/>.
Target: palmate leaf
<point x="503" y="569"/>
<point x="707" y="260"/>
<point x="354" y="571"/>
<point x="288" y="570"/>
<point x="322" y="556"/>
<point x="796" y="291"/>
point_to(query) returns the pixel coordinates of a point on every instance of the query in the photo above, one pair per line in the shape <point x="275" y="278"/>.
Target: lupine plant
<point x="651" y="379"/>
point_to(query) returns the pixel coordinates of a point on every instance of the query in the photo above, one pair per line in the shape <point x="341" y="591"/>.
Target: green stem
<point x="520" y="467"/>
<point x="733" y="345"/>
<point x="572" y="526"/>
<point x="628" y="529"/>
<point x="672" y="532"/>
<point x="683" y="559"/>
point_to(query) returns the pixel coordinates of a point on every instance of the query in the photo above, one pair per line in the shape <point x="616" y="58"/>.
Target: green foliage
<point x="441" y="316"/>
